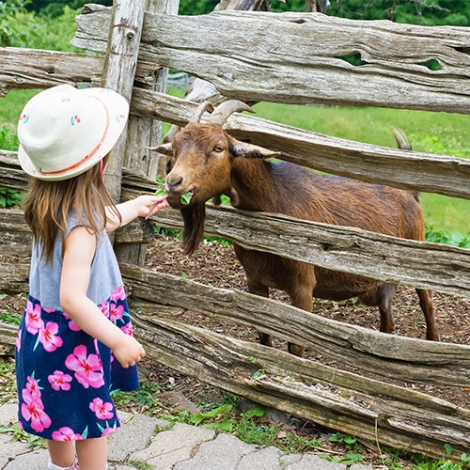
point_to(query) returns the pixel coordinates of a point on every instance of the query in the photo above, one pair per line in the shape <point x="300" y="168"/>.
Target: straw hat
<point x="64" y="131"/>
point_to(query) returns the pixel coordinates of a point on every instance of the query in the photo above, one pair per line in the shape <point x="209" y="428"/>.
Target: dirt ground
<point x="217" y="265"/>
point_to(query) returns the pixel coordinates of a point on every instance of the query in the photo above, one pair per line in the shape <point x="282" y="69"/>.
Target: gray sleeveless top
<point x="44" y="278"/>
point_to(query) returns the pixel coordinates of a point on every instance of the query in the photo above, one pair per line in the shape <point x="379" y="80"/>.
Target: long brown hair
<point x="49" y="203"/>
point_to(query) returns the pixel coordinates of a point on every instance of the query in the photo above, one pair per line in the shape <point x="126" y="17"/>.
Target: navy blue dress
<point x="65" y="377"/>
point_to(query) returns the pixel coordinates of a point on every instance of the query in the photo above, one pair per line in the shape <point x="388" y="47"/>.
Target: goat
<point x="209" y="162"/>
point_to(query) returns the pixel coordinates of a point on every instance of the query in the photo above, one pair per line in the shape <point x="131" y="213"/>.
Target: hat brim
<point x="118" y="110"/>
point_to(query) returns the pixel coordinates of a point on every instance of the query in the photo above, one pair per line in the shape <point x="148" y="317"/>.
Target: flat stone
<point x="33" y="460"/>
<point x="175" y="445"/>
<point x="268" y="458"/>
<point x="136" y="431"/>
<point x="313" y="462"/>
<point x="224" y="453"/>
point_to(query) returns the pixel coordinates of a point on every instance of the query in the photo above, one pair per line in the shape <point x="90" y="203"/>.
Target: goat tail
<point x="193" y="219"/>
<point x="404" y="143"/>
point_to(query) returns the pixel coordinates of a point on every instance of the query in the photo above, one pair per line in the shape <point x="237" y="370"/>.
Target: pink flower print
<point x="32" y="388"/>
<point x="72" y="325"/>
<point x="33" y="409"/>
<point x="116" y="312"/>
<point x="127" y="329"/>
<point x="64" y="434"/>
<point x="33" y="318"/>
<point x="24" y="118"/>
<point x="60" y="381"/>
<point x="102" y="410"/>
<point x="88" y="369"/>
<point x="120" y="117"/>
<point x="118" y="294"/>
<point x="48" y="337"/>
<point x="104" y="307"/>
<point x="108" y="431"/>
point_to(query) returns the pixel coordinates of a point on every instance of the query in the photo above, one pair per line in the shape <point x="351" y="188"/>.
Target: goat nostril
<point x="172" y="184"/>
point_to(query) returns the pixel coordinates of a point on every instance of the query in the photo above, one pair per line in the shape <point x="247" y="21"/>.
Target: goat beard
<point x="193" y="232"/>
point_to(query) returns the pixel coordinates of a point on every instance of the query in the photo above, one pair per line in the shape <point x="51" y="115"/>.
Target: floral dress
<point x="65" y="377"/>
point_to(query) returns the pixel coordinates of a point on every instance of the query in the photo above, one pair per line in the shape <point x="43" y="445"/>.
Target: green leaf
<point x="221" y="410"/>
<point x="186" y="198"/>
<point x="161" y="192"/>
<point x="258" y="411"/>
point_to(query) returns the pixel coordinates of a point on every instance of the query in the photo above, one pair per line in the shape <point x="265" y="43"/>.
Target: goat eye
<point x="218" y="149"/>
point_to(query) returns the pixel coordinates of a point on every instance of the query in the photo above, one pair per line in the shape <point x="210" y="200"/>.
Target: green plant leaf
<point x="186" y="198"/>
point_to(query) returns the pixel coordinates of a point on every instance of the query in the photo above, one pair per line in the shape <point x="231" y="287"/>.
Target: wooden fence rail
<point x="298" y="57"/>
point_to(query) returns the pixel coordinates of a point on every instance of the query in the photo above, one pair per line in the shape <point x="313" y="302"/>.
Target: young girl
<point x="75" y="345"/>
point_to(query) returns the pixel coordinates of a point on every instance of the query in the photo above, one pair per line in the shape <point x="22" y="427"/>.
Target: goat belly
<point x="336" y="285"/>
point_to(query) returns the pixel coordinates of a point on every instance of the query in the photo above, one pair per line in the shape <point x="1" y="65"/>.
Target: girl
<point x="75" y="345"/>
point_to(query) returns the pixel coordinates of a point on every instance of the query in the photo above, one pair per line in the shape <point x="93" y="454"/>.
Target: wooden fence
<point x="288" y="58"/>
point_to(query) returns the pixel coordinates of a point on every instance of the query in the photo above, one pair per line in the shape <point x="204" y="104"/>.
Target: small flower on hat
<point x="24" y="118"/>
<point x="74" y="119"/>
<point x="120" y="117"/>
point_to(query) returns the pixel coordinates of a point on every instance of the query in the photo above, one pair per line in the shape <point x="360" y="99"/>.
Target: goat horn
<point x="201" y="109"/>
<point x="223" y="111"/>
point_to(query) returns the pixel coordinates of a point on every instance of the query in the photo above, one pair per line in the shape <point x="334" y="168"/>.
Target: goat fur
<point x="209" y="162"/>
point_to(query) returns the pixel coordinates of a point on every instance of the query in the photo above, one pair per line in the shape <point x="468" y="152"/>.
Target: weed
<point x="34" y="442"/>
<point x="141" y="465"/>
<point x="294" y="443"/>
<point x="10" y="318"/>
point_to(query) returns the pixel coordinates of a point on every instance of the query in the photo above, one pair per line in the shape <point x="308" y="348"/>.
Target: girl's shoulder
<point x="74" y="220"/>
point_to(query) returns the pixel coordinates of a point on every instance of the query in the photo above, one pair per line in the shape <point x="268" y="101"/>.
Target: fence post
<point x="119" y="71"/>
<point x="143" y="133"/>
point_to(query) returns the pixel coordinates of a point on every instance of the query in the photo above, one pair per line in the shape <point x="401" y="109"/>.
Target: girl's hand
<point x="128" y="351"/>
<point x="150" y="205"/>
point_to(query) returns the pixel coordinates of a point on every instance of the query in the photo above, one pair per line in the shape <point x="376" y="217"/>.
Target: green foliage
<point x="34" y="442"/>
<point x="10" y="318"/>
<point x="55" y="8"/>
<point x="10" y="198"/>
<point x="457" y="239"/>
<point x="197" y="7"/>
<point x="15" y="22"/>
<point x="8" y="138"/>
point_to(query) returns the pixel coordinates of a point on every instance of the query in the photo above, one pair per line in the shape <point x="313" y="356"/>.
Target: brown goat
<point x="209" y="162"/>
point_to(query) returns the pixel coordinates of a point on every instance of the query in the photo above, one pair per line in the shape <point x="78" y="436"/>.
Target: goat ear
<point x="245" y="150"/>
<point x="166" y="149"/>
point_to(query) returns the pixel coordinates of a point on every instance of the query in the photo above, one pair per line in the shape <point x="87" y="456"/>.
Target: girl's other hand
<point x="128" y="351"/>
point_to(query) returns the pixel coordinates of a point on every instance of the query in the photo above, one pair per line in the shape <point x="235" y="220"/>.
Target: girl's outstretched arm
<point x="79" y="250"/>
<point x="143" y="206"/>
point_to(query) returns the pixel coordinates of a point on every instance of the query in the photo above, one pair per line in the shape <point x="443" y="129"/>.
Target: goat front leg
<point x="263" y="291"/>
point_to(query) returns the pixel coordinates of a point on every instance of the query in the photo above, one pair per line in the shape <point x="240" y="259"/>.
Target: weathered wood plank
<point x="32" y="68"/>
<point x="393" y="415"/>
<point x="15" y="236"/>
<point x="7" y="339"/>
<point x="402" y="358"/>
<point x="123" y="41"/>
<point x="14" y="278"/>
<point x="297" y="57"/>
<point x="142" y="133"/>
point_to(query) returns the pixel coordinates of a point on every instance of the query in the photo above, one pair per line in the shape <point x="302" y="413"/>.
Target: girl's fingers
<point x="156" y="206"/>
